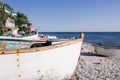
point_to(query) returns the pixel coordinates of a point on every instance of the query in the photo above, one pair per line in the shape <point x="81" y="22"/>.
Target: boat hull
<point x="107" y="51"/>
<point x="32" y="37"/>
<point x="55" y="63"/>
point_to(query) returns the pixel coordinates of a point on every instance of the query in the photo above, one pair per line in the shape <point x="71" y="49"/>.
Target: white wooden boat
<point x="53" y="62"/>
<point x="107" y="51"/>
<point x="30" y="37"/>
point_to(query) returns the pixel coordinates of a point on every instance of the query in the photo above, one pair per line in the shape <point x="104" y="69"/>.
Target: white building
<point x="13" y="14"/>
<point x="10" y="22"/>
<point x="10" y="26"/>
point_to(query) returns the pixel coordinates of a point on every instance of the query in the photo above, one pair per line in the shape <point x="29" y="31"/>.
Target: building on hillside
<point x="10" y="27"/>
<point x="10" y="24"/>
<point x="29" y="28"/>
<point x="13" y="14"/>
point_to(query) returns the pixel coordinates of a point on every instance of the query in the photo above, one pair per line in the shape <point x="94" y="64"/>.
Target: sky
<point x="70" y="15"/>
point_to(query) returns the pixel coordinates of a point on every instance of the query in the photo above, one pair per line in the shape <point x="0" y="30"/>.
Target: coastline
<point x="96" y="67"/>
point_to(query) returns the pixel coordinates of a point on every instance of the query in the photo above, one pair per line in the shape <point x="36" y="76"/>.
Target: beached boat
<point x="107" y="51"/>
<point x="31" y="37"/>
<point x="53" y="62"/>
<point x="27" y="37"/>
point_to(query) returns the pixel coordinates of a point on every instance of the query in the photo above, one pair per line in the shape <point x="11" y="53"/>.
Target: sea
<point x="97" y="38"/>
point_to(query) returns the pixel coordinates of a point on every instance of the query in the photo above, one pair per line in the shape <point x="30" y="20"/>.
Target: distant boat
<point x="53" y="62"/>
<point x="30" y="37"/>
<point x="107" y="51"/>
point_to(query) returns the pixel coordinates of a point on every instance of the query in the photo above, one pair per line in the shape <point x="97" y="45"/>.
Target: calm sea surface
<point x="101" y="38"/>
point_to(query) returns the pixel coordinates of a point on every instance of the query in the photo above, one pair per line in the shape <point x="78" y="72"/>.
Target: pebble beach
<point x="96" y="67"/>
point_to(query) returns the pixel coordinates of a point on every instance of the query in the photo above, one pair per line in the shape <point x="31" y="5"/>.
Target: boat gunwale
<point x="107" y="47"/>
<point x="103" y="46"/>
<point x="26" y="50"/>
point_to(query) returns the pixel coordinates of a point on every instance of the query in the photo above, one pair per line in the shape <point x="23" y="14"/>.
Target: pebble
<point x="95" y="67"/>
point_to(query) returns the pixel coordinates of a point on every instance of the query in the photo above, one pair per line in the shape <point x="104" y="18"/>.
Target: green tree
<point x="21" y="19"/>
<point x="1" y="4"/>
<point x="9" y="8"/>
<point x="3" y="18"/>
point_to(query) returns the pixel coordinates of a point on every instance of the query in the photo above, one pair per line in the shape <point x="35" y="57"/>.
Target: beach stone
<point x="95" y="67"/>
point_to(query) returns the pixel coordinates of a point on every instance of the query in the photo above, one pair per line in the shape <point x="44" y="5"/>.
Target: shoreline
<point x="96" y="67"/>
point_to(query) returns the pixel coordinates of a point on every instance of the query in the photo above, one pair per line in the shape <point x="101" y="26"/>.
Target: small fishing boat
<point x="107" y="50"/>
<point x="25" y="37"/>
<point x="53" y="62"/>
<point x="32" y="37"/>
